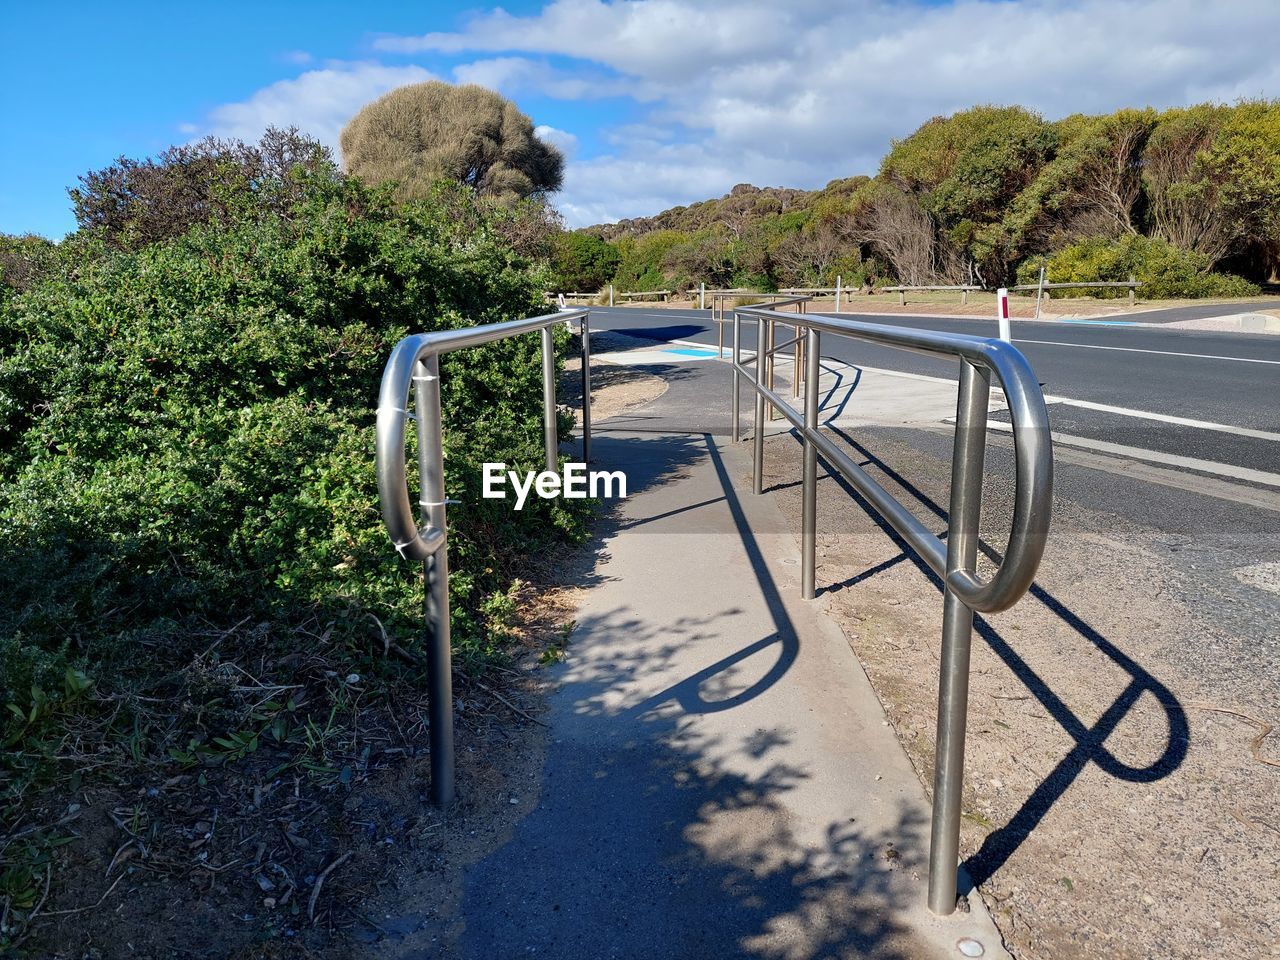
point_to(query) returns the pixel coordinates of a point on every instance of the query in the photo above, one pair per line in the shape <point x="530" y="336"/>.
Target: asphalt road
<point x="1200" y="311"/>
<point x="1228" y="382"/>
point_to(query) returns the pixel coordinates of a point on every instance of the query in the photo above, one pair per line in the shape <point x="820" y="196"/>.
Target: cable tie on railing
<point x="424" y="378"/>
<point x="437" y="503"/>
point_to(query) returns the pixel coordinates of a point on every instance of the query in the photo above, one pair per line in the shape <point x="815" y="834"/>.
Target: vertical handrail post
<point x="757" y="438"/>
<point x="957" y="634"/>
<point x="435" y="571"/>
<point x="549" y="399"/>
<point x="797" y="363"/>
<point x="771" y="343"/>
<point x="809" y="522"/>
<point x="586" y="390"/>
<point x="735" y="412"/>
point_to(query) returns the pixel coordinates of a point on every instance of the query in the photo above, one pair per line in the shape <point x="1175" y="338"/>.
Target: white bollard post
<point x="837" y="310"/>
<point x="1002" y="314"/>
<point x="702" y="296"/>
<point x="560" y="302"/>
<point x="611" y="294"/>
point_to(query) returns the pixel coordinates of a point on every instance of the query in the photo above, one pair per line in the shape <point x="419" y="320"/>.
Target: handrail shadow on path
<point x="1089" y="740"/>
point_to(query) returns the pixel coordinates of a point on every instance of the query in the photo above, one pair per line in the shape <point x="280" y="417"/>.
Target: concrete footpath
<point x="721" y="781"/>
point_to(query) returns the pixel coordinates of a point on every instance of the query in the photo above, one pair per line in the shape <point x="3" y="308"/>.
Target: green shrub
<point x="1164" y="270"/>
<point x="24" y="261"/>
<point x="582" y="263"/>
<point x="641" y="264"/>
<point x="186" y="444"/>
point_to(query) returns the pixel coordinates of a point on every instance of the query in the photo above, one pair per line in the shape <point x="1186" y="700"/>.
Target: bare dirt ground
<point x="235" y="863"/>
<point x="615" y="388"/>
<point x="1122" y="773"/>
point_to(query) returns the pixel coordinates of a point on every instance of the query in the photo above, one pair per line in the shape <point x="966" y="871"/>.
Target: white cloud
<point x="796" y="93"/>
<point x="807" y="91"/>
<point x="318" y="102"/>
<point x="563" y="139"/>
<point x="515" y="75"/>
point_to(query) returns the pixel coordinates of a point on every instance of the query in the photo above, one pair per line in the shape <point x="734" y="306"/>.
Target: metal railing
<point x="719" y="298"/>
<point x="415" y="365"/>
<point x="955" y="562"/>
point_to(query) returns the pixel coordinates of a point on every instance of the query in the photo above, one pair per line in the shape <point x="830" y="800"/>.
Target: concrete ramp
<point x="721" y="781"/>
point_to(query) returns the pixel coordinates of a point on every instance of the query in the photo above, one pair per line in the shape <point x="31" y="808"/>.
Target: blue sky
<point x="656" y="102"/>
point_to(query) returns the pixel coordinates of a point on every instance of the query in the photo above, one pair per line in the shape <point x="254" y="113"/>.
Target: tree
<point x="1212" y="177"/>
<point x="641" y="266"/>
<point x="582" y="262"/>
<point x="133" y="203"/>
<point x="966" y="170"/>
<point x="897" y="227"/>
<point x="23" y="261"/>
<point x="424" y="132"/>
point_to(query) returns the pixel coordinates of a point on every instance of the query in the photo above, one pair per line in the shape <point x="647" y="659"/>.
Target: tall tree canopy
<point x="987" y="193"/>
<point x="424" y="132"/>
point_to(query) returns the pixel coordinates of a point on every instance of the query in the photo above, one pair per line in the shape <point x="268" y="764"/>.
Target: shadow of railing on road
<point x="1089" y="740"/>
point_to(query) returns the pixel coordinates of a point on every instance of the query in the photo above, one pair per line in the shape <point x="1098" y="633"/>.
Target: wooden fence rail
<point x="1042" y="289"/>
<point x="647" y="293"/>
<point x="902" y="291"/>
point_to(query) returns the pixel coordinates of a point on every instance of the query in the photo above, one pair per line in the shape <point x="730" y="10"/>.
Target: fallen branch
<point x="92" y="906"/>
<point x="1256" y="746"/>
<point x="315" y="894"/>
<point x="503" y="700"/>
<point x="386" y="640"/>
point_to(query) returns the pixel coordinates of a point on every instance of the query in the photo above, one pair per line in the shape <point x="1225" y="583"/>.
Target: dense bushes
<point x="187" y="442"/>
<point x="1165" y="270"/>
<point x="968" y="197"/>
<point x="582" y="263"/>
<point x="132" y="203"/>
<point x="640" y="265"/>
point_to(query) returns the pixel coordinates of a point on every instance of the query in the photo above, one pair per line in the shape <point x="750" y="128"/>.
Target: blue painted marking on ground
<point x="686" y="352"/>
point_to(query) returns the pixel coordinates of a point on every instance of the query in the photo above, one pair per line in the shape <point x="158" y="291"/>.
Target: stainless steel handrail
<point x="415" y="365"/>
<point x="955" y="561"/>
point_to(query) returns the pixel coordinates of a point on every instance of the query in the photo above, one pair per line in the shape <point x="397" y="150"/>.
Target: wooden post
<point x="964" y="298"/>
<point x="837" y="309"/>
<point x="902" y="297"/>
<point x="1131" y="289"/>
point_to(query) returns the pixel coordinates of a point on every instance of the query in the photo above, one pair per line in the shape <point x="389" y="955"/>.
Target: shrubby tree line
<point x="187" y="402"/>
<point x="1187" y="200"/>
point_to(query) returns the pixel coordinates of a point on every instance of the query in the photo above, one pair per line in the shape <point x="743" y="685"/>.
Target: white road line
<point x="1163" y="353"/>
<point x="1107" y="408"/>
<point x="1166" y="418"/>
<point x="1156" y="456"/>
<point x="1087" y="404"/>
